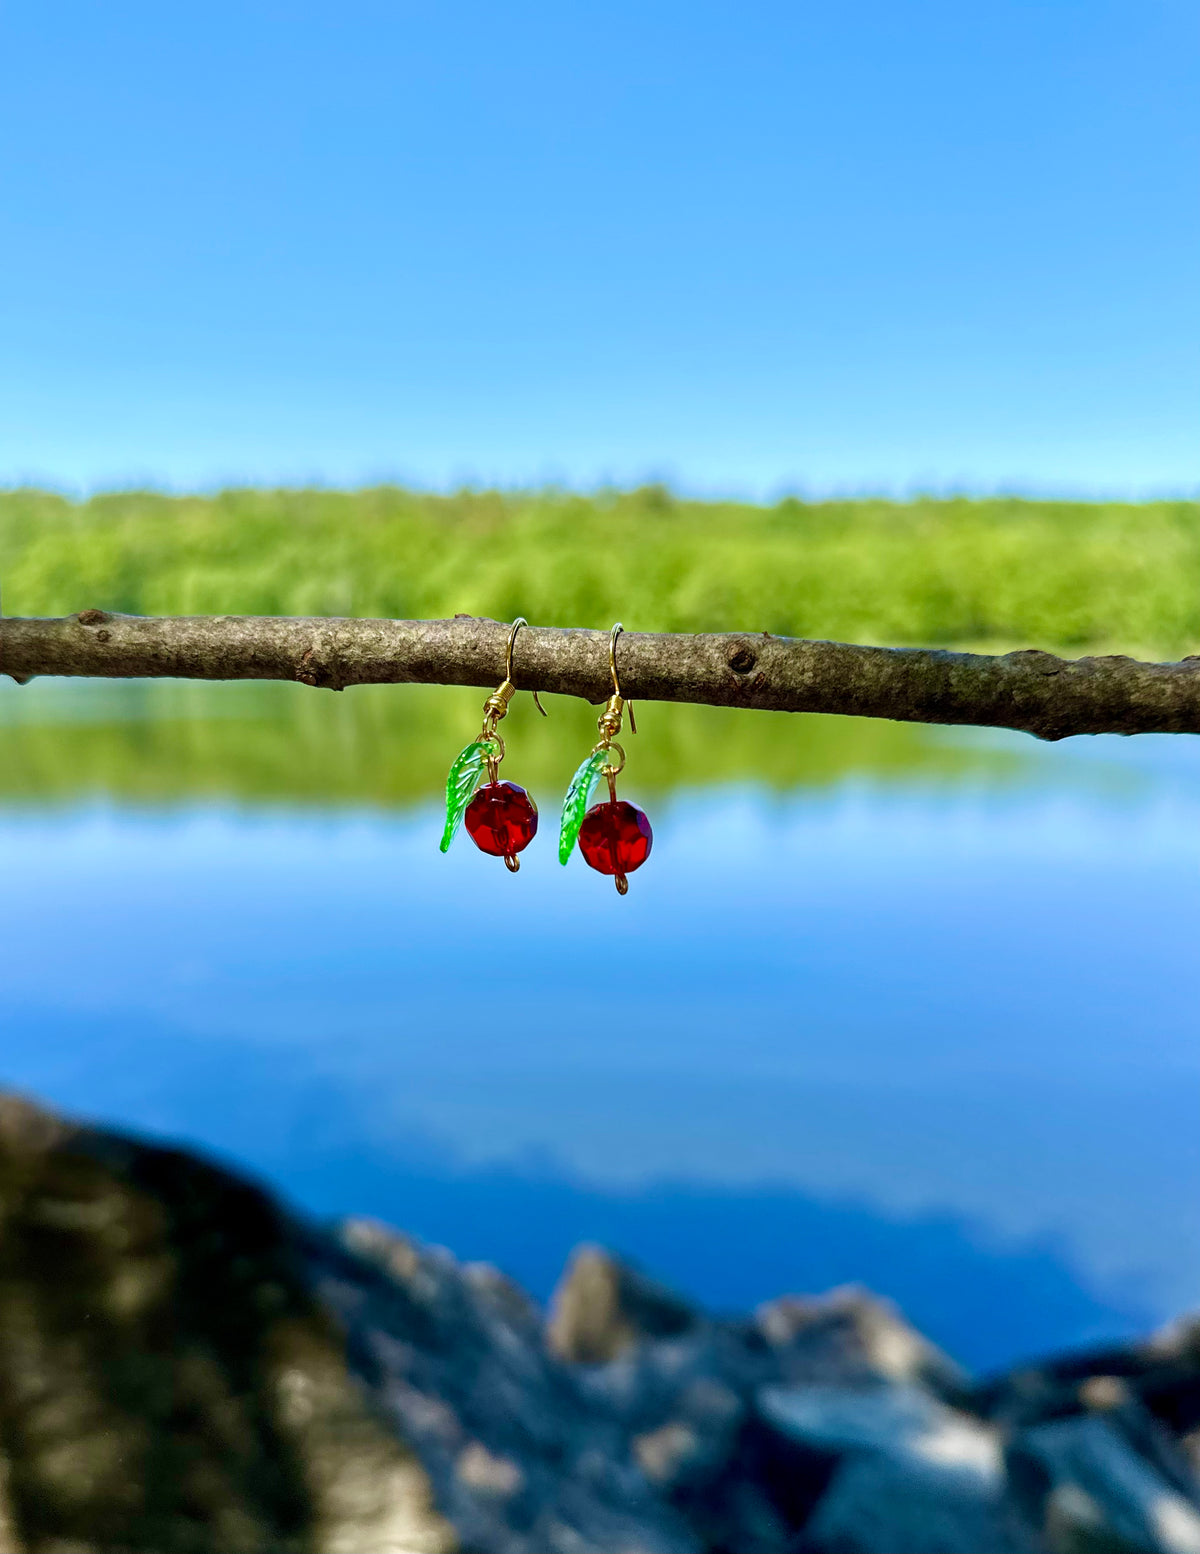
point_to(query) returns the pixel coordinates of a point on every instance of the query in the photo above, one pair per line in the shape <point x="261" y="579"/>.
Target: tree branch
<point x="1029" y="690"/>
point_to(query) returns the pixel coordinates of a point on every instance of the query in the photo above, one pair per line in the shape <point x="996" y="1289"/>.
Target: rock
<point x="878" y="1504"/>
<point x="1162" y="1373"/>
<point x="1101" y="1456"/>
<point x="1079" y="1478"/>
<point x="187" y="1368"/>
<point x="913" y="1476"/>
<point x="850" y="1336"/>
<point x="603" y="1306"/>
<point x="520" y="1457"/>
<point x="168" y="1380"/>
<point x="901" y="1420"/>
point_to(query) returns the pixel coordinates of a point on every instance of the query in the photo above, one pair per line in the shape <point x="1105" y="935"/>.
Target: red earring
<point x="501" y="817"/>
<point x="614" y="837"/>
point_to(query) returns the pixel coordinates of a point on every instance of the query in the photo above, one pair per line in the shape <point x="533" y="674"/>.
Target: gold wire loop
<point x="496" y="706"/>
<point x="609" y="745"/>
<point x="512" y="637"/>
<point x="612" y="656"/>
<point x="613" y="711"/>
<point x="508" y="663"/>
<point x="493" y="760"/>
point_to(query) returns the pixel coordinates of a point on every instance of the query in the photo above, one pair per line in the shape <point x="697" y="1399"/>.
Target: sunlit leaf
<point x="579" y="796"/>
<point x="461" y="784"/>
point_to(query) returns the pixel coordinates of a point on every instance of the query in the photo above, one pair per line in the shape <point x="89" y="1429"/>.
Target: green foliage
<point x="995" y="572"/>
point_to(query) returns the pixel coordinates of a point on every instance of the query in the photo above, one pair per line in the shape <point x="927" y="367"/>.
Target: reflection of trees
<point x="390" y="745"/>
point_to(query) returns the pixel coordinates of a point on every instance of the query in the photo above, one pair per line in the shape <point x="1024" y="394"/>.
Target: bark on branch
<point x="1029" y="690"/>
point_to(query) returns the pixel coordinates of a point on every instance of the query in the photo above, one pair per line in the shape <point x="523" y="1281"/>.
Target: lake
<point x="908" y="1007"/>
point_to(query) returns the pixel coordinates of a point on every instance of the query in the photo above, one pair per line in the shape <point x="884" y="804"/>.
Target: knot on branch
<point x="313" y="671"/>
<point x="740" y="657"/>
<point x="1038" y="660"/>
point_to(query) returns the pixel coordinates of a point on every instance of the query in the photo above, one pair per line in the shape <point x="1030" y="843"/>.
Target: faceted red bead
<point x="615" y="838"/>
<point x="502" y="819"/>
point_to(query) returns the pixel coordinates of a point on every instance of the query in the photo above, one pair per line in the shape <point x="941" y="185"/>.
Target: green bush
<point x="995" y="572"/>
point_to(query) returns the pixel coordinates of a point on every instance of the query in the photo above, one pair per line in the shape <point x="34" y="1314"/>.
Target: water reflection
<point x="383" y="746"/>
<point x="902" y="1005"/>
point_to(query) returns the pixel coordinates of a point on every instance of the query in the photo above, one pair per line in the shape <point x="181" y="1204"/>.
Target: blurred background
<point x="874" y="322"/>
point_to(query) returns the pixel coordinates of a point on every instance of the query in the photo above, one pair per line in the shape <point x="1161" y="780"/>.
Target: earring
<point x="615" y="838"/>
<point x="501" y="817"/>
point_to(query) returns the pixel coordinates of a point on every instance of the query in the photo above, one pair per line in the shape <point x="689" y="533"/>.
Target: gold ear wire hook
<point x="612" y="656"/>
<point x="508" y="667"/>
<point x="612" y="664"/>
<point x="496" y="706"/>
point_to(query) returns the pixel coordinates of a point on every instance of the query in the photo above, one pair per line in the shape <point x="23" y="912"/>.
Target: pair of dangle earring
<point x="501" y="817"/>
<point x="614" y="837"/>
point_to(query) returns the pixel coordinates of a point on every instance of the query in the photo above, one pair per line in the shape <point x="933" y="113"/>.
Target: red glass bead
<point x="502" y="819"/>
<point x="615" y="838"/>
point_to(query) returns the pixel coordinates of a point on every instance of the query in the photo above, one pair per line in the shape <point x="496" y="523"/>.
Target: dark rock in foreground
<point x="185" y="1368"/>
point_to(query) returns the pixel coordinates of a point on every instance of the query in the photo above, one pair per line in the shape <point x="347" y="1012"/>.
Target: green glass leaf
<point x="461" y="784"/>
<point x="579" y="796"/>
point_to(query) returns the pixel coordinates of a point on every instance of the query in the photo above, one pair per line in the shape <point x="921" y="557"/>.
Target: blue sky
<point x="745" y="247"/>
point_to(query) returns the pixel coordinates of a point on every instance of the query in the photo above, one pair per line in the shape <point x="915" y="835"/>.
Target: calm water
<point x="920" y="1013"/>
